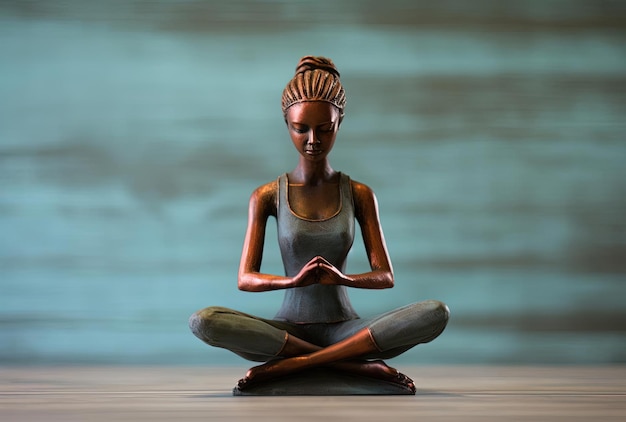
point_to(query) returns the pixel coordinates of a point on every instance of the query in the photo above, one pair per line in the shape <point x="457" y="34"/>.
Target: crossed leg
<point x="300" y="355"/>
<point x="273" y="342"/>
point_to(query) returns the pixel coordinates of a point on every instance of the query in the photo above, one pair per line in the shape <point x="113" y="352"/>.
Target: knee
<point x="439" y="310"/>
<point x="204" y="322"/>
<point x="438" y="315"/>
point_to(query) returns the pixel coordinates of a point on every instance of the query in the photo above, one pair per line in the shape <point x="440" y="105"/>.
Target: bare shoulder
<point x="264" y="198"/>
<point x="364" y="199"/>
<point x="361" y="192"/>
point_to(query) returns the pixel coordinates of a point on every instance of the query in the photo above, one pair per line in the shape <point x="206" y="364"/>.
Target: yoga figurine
<point x="315" y="208"/>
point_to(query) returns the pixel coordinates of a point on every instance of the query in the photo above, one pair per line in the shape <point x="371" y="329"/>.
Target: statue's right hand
<point x="308" y="275"/>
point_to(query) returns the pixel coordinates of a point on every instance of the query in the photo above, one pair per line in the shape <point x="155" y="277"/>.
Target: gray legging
<point x="258" y="339"/>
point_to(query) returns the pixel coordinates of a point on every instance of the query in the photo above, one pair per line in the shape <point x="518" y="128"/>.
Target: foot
<point x="271" y="370"/>
<point x="379" y="370"/>
<point x="376" y="369"/>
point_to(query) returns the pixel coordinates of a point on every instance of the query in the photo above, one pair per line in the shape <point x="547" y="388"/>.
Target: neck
<point x="312" y="173"/>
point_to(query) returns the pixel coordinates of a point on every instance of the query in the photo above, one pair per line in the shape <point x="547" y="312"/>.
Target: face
<point x="313" y="127"/>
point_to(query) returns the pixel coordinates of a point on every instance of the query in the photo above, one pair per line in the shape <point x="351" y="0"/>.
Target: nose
<point x="312" y="138"/>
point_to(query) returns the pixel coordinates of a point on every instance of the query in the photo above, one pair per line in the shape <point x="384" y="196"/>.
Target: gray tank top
<point x="300" y="240"/>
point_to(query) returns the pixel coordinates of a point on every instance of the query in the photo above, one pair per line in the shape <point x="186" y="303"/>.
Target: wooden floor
<point x="470" y="393"/>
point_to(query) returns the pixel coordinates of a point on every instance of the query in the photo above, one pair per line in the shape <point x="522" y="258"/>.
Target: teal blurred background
<point x="133" y="132"/>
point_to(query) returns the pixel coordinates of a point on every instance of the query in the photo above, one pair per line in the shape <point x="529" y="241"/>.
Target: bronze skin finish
<point x="314" y="192"/>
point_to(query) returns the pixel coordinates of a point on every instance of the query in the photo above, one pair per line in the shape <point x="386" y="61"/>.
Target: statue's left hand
<point x="329" y="274"/>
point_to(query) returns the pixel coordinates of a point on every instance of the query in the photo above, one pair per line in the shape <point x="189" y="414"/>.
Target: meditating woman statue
<point x="315" y="208"/>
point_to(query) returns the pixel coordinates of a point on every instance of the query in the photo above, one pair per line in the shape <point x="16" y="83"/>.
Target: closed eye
<point x="300" y="129"/>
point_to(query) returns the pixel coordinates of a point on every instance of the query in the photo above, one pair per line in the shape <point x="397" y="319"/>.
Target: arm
<point x="381" y="275"/>
<point x="262" y="205"/>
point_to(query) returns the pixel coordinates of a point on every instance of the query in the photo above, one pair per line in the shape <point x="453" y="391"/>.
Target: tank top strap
<point x="346" y="191"/>
<point x="282" y="200"/>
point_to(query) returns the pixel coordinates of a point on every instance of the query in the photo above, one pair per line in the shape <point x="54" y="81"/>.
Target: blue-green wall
<point x="132" y="133"/>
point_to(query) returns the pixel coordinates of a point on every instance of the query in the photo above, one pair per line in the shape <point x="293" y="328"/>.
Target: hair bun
<point x="312" y="62"/>
<point x="316" y="79"/>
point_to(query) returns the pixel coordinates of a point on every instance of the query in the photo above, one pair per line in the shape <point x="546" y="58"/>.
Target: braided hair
<point x="316" y="79"/>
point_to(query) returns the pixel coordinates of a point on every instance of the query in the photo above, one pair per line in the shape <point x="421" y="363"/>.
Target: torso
<point x="307" y="227"/>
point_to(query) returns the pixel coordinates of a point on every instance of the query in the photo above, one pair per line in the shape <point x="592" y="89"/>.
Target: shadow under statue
<point x="317" y="344"/>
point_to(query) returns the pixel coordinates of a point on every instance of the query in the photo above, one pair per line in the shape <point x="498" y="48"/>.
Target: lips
<point x="313" y="151"/>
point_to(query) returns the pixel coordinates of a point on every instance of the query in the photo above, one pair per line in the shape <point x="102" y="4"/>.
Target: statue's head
<point x="316" y="79"/>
